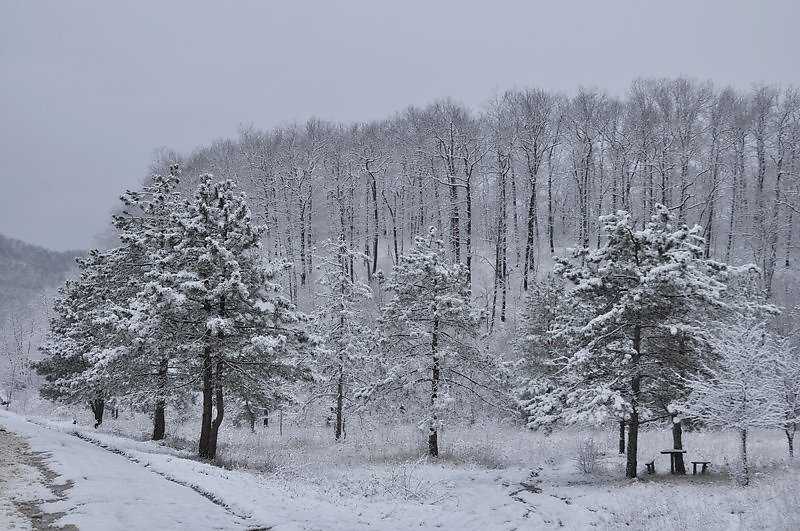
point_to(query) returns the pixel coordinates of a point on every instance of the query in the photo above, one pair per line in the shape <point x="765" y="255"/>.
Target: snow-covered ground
<point x="106" y="490"/>
<point x="120" y="483"/>
<point x="21" y="484"/>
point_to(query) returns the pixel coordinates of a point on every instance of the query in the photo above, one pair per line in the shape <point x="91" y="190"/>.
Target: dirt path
<point x="25" y="484"/>
<point x="110" y="490"/>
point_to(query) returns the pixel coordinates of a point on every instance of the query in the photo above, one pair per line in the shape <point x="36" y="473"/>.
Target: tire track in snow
<point x="207" y="495"/>
<point x="15" y="454"/>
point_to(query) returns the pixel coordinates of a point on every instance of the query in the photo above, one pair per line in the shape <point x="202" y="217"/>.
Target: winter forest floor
<point x="490" y="477"/>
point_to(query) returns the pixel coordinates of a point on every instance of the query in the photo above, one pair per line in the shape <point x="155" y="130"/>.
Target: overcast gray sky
<point x="88" y="89"/>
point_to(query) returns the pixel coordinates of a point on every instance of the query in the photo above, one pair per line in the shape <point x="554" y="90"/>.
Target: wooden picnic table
<point x="673" y="456"/>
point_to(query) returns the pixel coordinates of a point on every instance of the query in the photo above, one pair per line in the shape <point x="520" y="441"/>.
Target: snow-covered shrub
<point x="485" y="455"/>
<point x="404" y="483"/>
<point x="589" y="457"/>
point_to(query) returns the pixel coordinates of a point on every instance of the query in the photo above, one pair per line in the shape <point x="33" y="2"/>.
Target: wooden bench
<point x="651" y="466"/>
<point x="703" y="469"/>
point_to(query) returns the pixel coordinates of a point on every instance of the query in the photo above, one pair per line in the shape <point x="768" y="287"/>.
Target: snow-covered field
<point x="506" y="479"/>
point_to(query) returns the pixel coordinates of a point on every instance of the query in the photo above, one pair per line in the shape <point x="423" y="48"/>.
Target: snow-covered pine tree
<point x="634" y="289"/>
<point x="341" y="321"/>
<point x="535" y="348"/>
<point x="102" y="344"/>
<point x="146" y="227"/>
<point x="431" y="329"/>
<point x="532" y="342"/>
<point x="85" y="345"/>
<point x="741" y="389"/>
<point x="247" y="336"/>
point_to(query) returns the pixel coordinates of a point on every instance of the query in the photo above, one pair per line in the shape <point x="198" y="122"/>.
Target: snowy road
<point x="105" y="491"/>
<point x="22" y="484"/>
<point x="60" y="474"/>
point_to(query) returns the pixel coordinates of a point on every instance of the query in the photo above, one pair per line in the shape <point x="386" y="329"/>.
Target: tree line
<point x="411" y="242"/>
<point x="185" y="309"/>
<point x="527" y="175"/>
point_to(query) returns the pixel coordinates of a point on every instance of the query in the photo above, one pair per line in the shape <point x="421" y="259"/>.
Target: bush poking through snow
<point x="404" y="483"/>
<point x="588" y="456"/>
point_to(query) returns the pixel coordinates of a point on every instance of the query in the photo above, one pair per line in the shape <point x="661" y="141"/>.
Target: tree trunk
<point x="251" y="416"/>
<point x="530" y="255"/>
<point x="771" y="254"/>
<point x="438" y="202"/>
<point x="760" y="218"/>
<point x="455" y="220"/>
<point x="677" y="444"/>
<point x="787" y="256"/>
<point x="666" y="192"/>
<point x="633" y="421"/>
<point x="303" y="257"/>
<point x="339" y="426"/>
<point x="468" y="235"/>
<point x="289" y="250"/>
<point x="351" y="216"/>
<point x="208" y="404"/>
<point x="501" y="252"/>
<point x="393" y="214"/>
<point x="584" y="192"/>
<point x="737" y="194"/>
<point x="159" y="423"/>
<point x="731" y="222"/>
<point x="514" y="214"/>
<point x="744" y="474"/>
<point x="683" y="194"/>
<point x="790" y="438"/>
<point x="98" y="406"/>
<point x="433" y="435"/>
<point x="712" y="196"/>
<point x="550" y="224"/>
<point x="374" y="191"/>
<point x="621" y="437"/>
<point x="793" y="168"/>
<point x="220" y="407"/>
<point x="633" y="442"/>
<point x="310" y="232"/>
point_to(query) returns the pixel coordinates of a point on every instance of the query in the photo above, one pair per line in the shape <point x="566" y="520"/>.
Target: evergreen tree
<point x="154" y="319"/>
<point x="103" y="342"/>
<point x="184" y="298"/>
<point x="626" y="296"/>
<point x="533" y="344"/>
<point x="83" y="348"/>
<point x="248" y="337"/>
<point x="535" y="348"/>
<point x="431" y="329"/>
<point x="340" y="320"/>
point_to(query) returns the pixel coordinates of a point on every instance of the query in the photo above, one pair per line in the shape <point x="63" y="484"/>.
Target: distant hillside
<point x="27" y="270"/>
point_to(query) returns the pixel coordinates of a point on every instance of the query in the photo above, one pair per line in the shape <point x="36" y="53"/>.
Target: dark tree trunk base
<point x="98" y="406"/>
<point x="205" y="427"/>
<point x="677" y="444"/>
<point x="633" y="446"/>
<point x="159" y="422"/>
<point x="433" y="444"/>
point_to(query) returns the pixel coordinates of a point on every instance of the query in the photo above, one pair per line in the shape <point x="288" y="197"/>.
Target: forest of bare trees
<point x="527" y="175"/>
